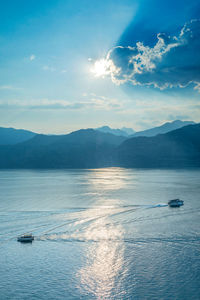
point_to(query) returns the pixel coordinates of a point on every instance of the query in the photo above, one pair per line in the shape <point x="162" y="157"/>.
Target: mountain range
<point x="166" y="127"/>
<point x="12" y="136"/>
<point x="124" y="131"/>
<point x="85" y="148"/>
<point x="89" y="148"/>
<point x="179" y="148"/>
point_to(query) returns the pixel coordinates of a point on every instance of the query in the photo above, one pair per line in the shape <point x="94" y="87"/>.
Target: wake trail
<point x="84" y="222"/>
<point x="87" y="221"/>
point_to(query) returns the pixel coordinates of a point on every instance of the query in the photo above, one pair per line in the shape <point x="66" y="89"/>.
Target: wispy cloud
<point x="197" y="86"/>
<point x="92" y="102"/>
<point x="9" y="88"/>
<point x="6" y="87"/>
<point x="32" y="57"/>
<point x="48" y="68"/>
<point x="156" y="111"/>
<point x="171" y="62"/>
<point x="101" y="102"/>
<point x="38" y="104"/>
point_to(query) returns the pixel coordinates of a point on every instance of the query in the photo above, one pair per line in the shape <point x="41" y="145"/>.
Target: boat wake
<point x="75" y="224"/>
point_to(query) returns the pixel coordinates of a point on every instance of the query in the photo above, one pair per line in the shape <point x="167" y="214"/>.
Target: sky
<point x="71" y="64"/>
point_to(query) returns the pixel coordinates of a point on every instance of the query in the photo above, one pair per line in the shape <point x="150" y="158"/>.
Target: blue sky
<point x="69" y="64"/>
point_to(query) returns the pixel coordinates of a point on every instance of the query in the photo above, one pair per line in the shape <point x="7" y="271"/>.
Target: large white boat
<point x="26" y="238"/>
<point x="175" y="203"/>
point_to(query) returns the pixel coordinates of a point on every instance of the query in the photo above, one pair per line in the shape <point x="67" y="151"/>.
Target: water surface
<point x="100" y="234"/>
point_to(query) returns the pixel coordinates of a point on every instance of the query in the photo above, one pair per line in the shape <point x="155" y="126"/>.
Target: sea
<point x="100" y="234"/>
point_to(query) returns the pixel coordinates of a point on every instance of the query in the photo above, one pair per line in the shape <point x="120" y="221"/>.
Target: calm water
<point x="100" y="234"/>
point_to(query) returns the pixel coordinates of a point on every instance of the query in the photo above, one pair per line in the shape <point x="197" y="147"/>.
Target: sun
<point x="100" y="68"/>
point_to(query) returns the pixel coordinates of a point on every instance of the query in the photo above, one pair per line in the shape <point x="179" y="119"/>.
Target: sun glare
<point x="100" y="68"/>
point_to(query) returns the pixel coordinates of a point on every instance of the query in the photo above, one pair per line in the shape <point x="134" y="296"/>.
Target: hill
<point x="11" y="136"/>
<point x="93" y="149"/>
<point x="166" y="127"/>
<point x="120" y="132"/>
<point x="80" y="149"/>
<point x="177" y="149"/>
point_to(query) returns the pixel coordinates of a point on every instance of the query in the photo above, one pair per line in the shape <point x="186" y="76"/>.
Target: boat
<point x="175" y="203"/>
<point x="26" y="238"/>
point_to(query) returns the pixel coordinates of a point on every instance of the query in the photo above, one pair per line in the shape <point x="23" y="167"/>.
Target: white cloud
<point x="9" y="87"/>
<point x="171" y="62"/>
<point x="197" y="86"/>
<point x="32" y="57"/>
<point x="47" y="68"/>
<point x="103" y="103"/>
<point x="92" y="102"/>
<point x="6" y="87"/>
<point x="160" y="111"/>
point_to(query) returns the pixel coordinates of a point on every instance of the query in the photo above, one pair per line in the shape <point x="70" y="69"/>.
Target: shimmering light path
<point x="100" y="234"/>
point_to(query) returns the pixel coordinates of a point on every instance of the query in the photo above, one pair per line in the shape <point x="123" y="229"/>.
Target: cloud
<point x="197" y="86"/>
<point x="103" y="103"/>
<point x="32" y="57"/>
<point x="9" y="88"/>
<point x="6" y="87"/>
<point x="157" y="112"/>
<point x="47" y="68"/>
<point x="39" y="104"/>
<point x="92" y="102"/>
<point x="171" y="62"/>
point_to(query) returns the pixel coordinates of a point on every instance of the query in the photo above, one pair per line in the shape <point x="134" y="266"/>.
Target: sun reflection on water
<point x="104" y="258"/>
<point x="107" y="179"/>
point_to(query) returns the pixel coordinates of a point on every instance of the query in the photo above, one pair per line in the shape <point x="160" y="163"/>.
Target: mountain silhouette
<point x="11" y="136"/>
<point x="166" y="127"/>
<point x="89" y="148"/>
<point x="179" y="148"/>
<point x="120" y="132"/>
<point x="85" y="148"/>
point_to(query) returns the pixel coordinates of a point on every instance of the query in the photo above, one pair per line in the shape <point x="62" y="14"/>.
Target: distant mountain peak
<point x="118" y="131"/>
<point x="179" y="148"/>
<point x="105" y="127"/>
<point x="164" y="128"/>
<point x="11" y="136"/>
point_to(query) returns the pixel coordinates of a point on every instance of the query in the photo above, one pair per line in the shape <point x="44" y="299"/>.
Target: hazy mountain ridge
<point x="88" y="148"/>
<point x="164" y="128"/>
<point x="179" y="148"/>
<point x="85" y="148"/>
<point x="124" y="131"/>
<point x="11" y="136"/>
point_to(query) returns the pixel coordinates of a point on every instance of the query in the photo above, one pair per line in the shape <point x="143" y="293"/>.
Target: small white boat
<point x="175" y="203"/>
<point x="26" y="238"/>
